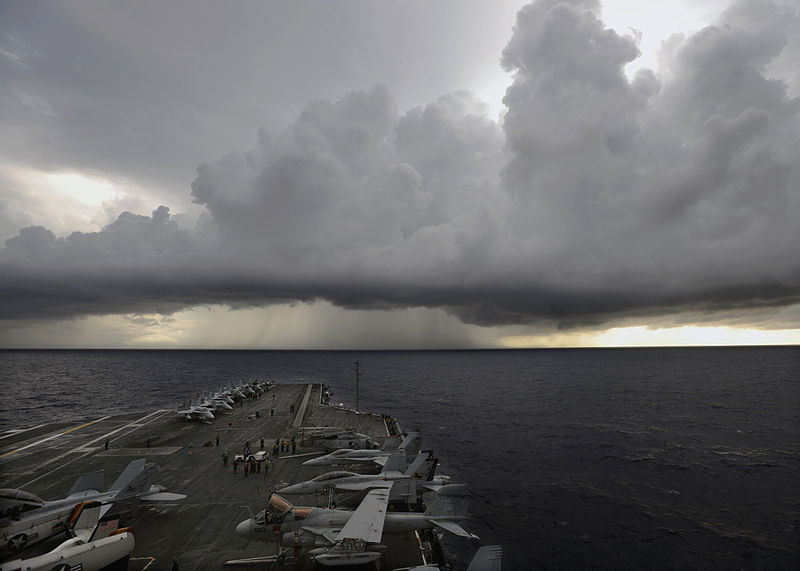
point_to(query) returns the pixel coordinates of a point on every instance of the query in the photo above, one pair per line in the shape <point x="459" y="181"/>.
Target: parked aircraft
<point x="196" y="412"/>
<point x="224" y="397"/>
<point x="93" y="545"/>
<point x="409" y="482"/>
<point x="27" y="519"/>
<point x="215" y="404"/>
<point x="339" y="537"/>
<point x="338" y="440"/>
<point x="411" y="445"/>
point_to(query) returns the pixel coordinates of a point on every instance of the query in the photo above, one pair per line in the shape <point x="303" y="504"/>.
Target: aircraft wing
<point x="257" y="560"/>
<point x="163" y="497"/>
<point x="488" y="558"/>
<point x="453" y="528"/>
<point x="366" y="523"/>
<point x="432" y="486"/>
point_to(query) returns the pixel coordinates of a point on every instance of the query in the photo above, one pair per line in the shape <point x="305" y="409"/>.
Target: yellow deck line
<point x="10" y="452"/>
<point x="81" y="426"/>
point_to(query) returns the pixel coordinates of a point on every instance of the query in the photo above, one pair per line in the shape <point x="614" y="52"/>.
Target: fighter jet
<point x="27" y="519"/>
<point x="196" y="412"/>
<point x="409" y="482"/>
<point x="93" y="545"/>
<point x="339" y="537"/>
<point x="224" y="397"/>
<point x="344" y="456"/>
<point x="344" y="439"/>
<point x="215" y="404"/>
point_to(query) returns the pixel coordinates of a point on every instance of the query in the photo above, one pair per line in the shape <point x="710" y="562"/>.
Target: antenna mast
<point x="356" y="364"/>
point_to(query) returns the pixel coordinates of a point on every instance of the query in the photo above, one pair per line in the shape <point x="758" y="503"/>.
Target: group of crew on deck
<point x="252" y="463"/>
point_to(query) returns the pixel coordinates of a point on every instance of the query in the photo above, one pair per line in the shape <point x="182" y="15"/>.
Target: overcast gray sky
<point x="398" y="174"/>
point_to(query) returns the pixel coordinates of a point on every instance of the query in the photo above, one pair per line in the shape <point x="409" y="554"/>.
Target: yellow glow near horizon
<point x="643" y="336"/>
<point x="324" y="326"/>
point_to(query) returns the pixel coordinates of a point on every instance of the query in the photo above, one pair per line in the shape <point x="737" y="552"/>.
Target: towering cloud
<point x="597" y="197"/>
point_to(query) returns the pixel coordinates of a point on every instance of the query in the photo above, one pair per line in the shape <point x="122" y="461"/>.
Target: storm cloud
<point x="597" y="197"/>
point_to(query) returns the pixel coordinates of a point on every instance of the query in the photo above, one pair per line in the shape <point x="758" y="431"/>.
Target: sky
<point x="399" y="174"/>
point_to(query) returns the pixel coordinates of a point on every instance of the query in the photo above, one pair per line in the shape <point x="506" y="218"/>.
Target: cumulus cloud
<point x="355" y="195"/>
<point x="665" y="191"/>
<point x="598" y="197"/>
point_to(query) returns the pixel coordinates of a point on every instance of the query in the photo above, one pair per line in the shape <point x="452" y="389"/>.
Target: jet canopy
<point x="276" y="511"/>
<point x="327" y="476"/>
<point x="278" y="505"/>
<point x="13" y="502"/>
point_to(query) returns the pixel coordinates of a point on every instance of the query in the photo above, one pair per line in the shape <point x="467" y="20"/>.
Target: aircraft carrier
<point x="199" y="531"/>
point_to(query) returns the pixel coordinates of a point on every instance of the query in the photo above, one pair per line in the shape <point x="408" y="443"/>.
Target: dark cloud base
<point x="599" y="197"/>
<point x="485" y="304"/>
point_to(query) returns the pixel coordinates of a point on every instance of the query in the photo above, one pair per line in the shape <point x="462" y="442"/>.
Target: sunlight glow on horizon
<point x="644" y="336"/>
<point x="304" y="327"/>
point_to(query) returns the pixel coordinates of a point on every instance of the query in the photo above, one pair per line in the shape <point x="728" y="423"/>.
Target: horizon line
<point x="374" y="349"/>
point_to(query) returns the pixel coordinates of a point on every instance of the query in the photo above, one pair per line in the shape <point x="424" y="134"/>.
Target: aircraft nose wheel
<point x="329" y="491"/>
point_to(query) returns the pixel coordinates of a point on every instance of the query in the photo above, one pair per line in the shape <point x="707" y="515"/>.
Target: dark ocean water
<point x="593" y="458"/>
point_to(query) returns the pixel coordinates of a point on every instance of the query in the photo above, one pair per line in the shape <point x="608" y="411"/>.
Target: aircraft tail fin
<point x="421" y="465"/>
<point x="411" y="444"/>
<point x="390" y="443"/>
<point x="84" y="520"/>
<point x="408" y="439"/>
<point x="396" y="462"/>
<point x="135" y="479"/>
<point x="92" y="481"/>
<point x="432" y="464"/>
<point x="108" y="525"/>
<point x="487" y="558"/>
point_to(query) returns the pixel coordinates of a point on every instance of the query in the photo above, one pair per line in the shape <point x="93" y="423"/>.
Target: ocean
<point x="673" y="458"/>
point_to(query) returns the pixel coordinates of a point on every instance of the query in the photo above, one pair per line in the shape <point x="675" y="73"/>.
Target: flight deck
<point x="199" y="531"/>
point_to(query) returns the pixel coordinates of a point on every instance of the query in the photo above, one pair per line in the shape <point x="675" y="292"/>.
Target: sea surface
<point x="576" y="458"/>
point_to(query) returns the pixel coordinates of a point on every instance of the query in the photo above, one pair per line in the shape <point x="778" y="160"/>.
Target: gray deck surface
<point x="198" y="531"/>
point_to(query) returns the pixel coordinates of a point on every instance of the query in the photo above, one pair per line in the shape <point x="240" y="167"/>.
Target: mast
<point x="356" y="364"/>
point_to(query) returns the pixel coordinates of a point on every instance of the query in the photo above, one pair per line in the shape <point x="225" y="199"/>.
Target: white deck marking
<point x="16" y="431"/>
<point x="136" y="424"/>
<point x="32" y="444"/>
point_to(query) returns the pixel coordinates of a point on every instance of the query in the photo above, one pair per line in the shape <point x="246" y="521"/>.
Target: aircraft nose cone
<point x="244" y="528"/>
